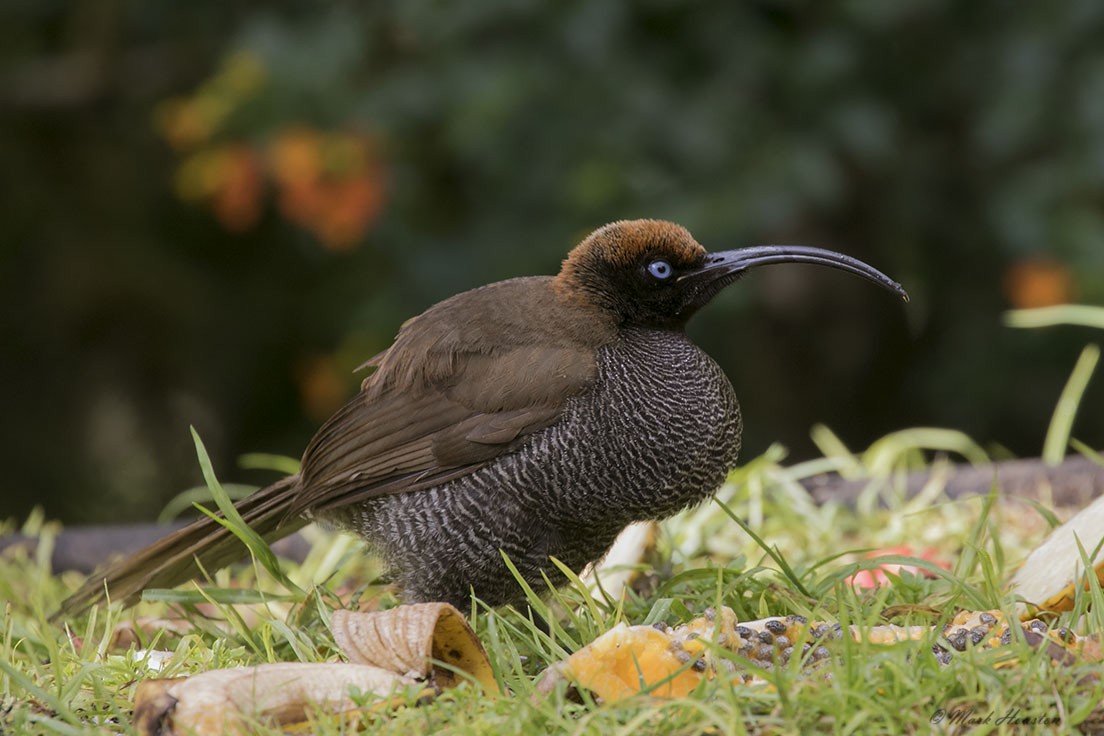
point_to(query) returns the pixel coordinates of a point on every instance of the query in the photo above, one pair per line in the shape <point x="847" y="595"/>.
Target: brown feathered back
<point x="464" y="382"/>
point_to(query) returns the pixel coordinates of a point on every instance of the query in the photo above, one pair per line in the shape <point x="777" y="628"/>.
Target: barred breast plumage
<point x="657" y="433"/>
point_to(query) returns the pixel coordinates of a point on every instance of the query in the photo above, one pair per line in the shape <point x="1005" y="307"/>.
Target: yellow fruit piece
<point x="626" y="661"/>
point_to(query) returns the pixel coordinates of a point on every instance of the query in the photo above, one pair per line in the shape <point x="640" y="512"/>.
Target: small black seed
<point x="764" y="652"/>
<point x="941" y="655"/>
<point x="698" y="666"/>
<point x="682" y="656"/>
<point x="744" y="632"/>
<point x="785" y="654"/>
<point x="958" y="640"/>
<point x="1037" y="626"/>
<point x="775" y="626"/>
<point x="987" y="618"/>
<point x="821" y="652"/>
<point x="797" y="619"/>
<point x="1006" y="637"/>
<point x="660" y="627"/>
<point x="766" y="637"/>
<point x="978" y="634"/>
<point x="781" y="641"/>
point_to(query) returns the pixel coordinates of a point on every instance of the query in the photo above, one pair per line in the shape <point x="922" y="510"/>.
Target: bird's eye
<point x="660" y="269"/>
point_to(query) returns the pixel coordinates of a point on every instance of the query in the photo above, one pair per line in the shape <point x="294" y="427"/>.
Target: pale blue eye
<point x="660" y="269"/>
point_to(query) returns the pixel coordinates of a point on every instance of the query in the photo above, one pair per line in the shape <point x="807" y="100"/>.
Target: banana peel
<point x="428" y="646"/>
<point x="1051" y="575"/>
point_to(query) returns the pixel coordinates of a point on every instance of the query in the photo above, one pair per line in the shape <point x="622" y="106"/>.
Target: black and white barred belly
<point x="658" y="433"/>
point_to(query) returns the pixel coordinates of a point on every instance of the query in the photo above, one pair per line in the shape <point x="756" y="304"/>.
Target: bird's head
<point x="652" y="273"/>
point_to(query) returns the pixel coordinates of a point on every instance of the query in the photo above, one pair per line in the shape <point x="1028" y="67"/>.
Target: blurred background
<point x="211" y="213"/>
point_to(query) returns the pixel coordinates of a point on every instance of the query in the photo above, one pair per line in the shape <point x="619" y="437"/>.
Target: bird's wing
<point x="410" y="429"/>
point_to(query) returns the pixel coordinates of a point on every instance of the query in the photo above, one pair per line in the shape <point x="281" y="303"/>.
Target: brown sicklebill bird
<point x="535" y="417"/>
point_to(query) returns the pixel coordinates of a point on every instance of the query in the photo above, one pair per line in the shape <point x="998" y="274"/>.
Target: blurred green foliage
<point x="957" y="146"/>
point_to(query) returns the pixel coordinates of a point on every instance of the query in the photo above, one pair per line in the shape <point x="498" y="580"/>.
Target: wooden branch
<point x="84" y="548"/>
<point x="1073" y="483"/>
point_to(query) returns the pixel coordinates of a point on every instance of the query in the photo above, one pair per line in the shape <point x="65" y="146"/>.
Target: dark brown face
<point x="654" y="274"/>
<point x="631" y="269"/>
<point x="650" y="291"/>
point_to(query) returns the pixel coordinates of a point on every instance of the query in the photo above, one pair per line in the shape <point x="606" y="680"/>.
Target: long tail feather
<point x="172" y="560"/>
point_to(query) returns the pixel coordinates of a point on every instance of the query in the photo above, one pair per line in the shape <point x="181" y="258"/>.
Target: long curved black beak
<point x="723" y="267"/>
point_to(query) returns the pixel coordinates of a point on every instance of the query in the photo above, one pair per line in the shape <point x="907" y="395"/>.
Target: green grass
<point x="78" y="679"/>
<point x="762" y="548"/>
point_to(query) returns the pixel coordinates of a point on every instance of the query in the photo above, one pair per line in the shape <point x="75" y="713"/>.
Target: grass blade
<point x="772" y="552"/>
<point x="233" y="521"/>
<point x="1062" y="314"/>
<point x="1061" y="423"/>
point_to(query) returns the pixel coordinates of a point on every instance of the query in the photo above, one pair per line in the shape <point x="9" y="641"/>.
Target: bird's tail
<point x="177" y="558"/>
